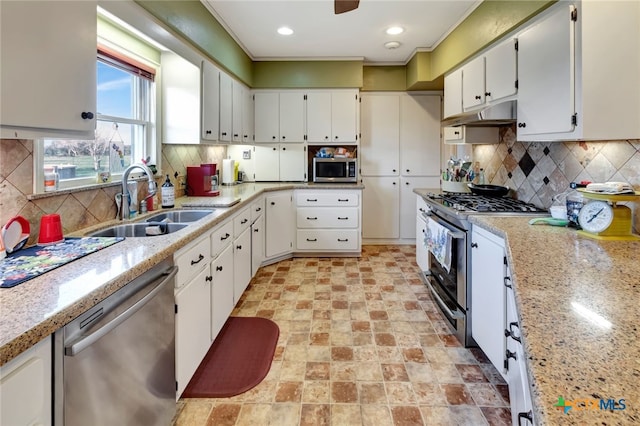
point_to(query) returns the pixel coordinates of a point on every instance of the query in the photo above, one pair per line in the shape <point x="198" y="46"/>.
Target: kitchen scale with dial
<point x="604" y="219"/>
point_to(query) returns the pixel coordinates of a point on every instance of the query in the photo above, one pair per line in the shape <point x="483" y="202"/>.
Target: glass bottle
<point x="575" y="201"/>
<point x="168" y="194"/>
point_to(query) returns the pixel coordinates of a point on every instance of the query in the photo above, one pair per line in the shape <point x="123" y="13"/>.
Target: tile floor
<point x="361" y="343"/>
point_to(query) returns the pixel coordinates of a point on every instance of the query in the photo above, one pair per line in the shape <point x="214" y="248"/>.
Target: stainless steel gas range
<point x="451" y="286"/>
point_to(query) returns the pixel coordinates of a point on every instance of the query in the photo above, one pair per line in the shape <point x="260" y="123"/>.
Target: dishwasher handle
<point x="87" y="341"/>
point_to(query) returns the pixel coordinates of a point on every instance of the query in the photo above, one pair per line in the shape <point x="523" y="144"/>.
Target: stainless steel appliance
<point x="335" y="169"/>
<point x="115" y="363"/>
<point x="452" y="289"/>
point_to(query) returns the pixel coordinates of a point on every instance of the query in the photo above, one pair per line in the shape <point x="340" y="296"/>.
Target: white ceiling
<point x="320" y="34"/>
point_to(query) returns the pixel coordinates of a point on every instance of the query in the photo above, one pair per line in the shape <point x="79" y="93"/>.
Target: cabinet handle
<point x="226" y="235"/>
<point x="510" y="333"/>
<point x="245" y="137"/>
<point x="88" y="115"/>
<point x="200" y="257"/>
<point x="527" y="416"/>
<point x="508" y="354"/>
<point x="343" y="241"/>
<point x="474" y="245"/>
<point x="243" y="221"/>
<point x="224" y="133"/>
<point x="313" y="200"/>
<point x="238" y="247"/>
<point x="312" y="239"/>
<point x="343" y="218"/>
<point x="487" y="93"/>
<point x="208" y="278"/>
<point x="456" y="133"/>
<point x="312" y="218"/>
<point x="235" y="135"/>
<point x="208" y="132"/>
<point x="478" y="97"/>
<point x="522" y="125"/>
<point x="256" y="230"/>
<point x="507" y="282"/>
<point x="218" y="268"/>
<point x="259" y="209"/>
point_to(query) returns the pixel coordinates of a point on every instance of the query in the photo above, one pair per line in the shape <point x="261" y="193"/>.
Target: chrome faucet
<point x="152" y="187"/>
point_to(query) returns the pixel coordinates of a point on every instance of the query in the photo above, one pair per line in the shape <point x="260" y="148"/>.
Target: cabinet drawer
<point x="326" y="217"/>
<point x="421" y="206"/>
<point x="257" y="208"/>
<point x="220" y="238"/>
<point x="191" y="259"/>
<point x="328" y="198"/>
<point x="241" y="222"/>
<point x="327" y="239"/>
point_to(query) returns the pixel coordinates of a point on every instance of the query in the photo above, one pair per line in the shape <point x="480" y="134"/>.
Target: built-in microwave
<point x="335" y="169"/>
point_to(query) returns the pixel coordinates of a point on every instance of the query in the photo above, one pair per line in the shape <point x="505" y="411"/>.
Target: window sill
<point x="83" y="188"/>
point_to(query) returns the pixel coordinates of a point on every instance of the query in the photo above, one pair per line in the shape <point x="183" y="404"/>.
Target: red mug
<point x="50" y="229"/>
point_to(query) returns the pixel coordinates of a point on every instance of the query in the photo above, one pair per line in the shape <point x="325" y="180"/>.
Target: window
<point x="124" y="125"/>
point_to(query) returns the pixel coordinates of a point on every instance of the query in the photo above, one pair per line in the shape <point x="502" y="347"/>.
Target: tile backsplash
<point x="536" y="171"/>
<point x="80" y="208"/>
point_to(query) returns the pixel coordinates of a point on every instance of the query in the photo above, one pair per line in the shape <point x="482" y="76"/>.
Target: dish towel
<point x="438" y="240"/>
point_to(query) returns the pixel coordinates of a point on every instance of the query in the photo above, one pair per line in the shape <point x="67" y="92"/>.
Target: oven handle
<point x="455" y="233"/>
<point x="452" y="314"/>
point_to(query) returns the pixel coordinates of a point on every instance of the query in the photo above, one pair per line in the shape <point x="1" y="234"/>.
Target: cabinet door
<point x="267" y="116"/>
<point x="241" y="264"/>
<point x="380" y="127"/>
<point x="25" y="387"/>
<point x="344" y="116"/>
<point x="236" y="108"/>
<point x="473" y="84"/>
<point x="501" y="72"/>
<point x="453" y="135"/>
<point x="180" y="100"/>
<point x="381" y="204"/>
<point x="488" y="296"/>
<point x="292" y="162"/>
<point x="48" y="57"/>
<point x="280" y="224"/>
<point x="292" y="117"/>
<point x="319" y="117"/>
<point x="193" y="327"/>
<point x="420" y="135"/>
<point x="257" y="244"/>
<point x="226" y="107"/>
<point x="222" y="286"/>
<point x="453" y="93"/>
<point x="546" y="72"/>
<point x="247" y="116"/>
<point x="210" y="101"/>
<point x="422" y="252"/>
<point x="408" y="202"/>
<point x="266" y="162"/>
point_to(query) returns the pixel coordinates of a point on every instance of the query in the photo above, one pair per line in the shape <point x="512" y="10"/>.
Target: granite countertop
<point x="578" y="301"/>
<point x="35" y="309"/>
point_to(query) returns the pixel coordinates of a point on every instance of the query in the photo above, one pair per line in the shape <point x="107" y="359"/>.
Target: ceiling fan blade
<point x="342" y="6"/>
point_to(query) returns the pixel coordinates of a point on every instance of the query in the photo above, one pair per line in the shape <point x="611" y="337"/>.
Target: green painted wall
<point x="117" y="36"/>
<point x="311" y="74"/>
<point x="384" y="78"/>
<point x="192" y="20"/>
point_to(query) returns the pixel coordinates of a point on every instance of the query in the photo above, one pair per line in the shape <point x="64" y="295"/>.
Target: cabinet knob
<point x="245" y="136"/>
<point x="87" y="115"/>
<point x="406" y="183"/>
<point x="218" y="268"/>
<point x="474" y="245"/>
<point x="326" y="138"/>
<point x="408" y="170"/>
<point x="487" y="93"/>
<point x="208" y="132"/>
<point x="284" y="137"/>
<point x="508" y="354"/>
<point x="336" y="138"/>
<point x="478" y="97"/>
<point x="273" y="203"/>
<point x="394" y="183"/>
<point x="284" y="148"/>
<point x="274" y="148"/>
<point x="235" y="135"/>
<point x="208" y="278"/>
<point x="256" y="230"/>
<point x="456" y="133"/>
<point x="394" y="170"/>
<point x="521" y="125"/>
<point x="239" y="247"/>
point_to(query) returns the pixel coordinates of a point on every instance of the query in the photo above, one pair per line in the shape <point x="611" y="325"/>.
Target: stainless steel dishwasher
<point x="115" y="363"/>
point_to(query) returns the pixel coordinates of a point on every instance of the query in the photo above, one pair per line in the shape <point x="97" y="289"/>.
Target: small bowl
<point x="558" y="212"/>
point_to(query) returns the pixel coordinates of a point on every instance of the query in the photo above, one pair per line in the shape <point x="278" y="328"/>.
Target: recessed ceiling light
<point x="395" y="30"/>
<point x="392" y="44"/>
<point x="285" y="31"/>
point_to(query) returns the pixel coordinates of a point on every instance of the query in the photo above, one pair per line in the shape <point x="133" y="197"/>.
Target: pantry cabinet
<point x="25" y="387"/>
<point x="332" y="116"/>
<point x="381" y="202"/>
<point x="380" y="128"/>
<point x="210" y="101"/>
<point x="279" y="116"/>
<point x="280" y="162"/>
<point x="48" y="78"/>
<point x="563" y="58"/>
<point x="419" y="146"/>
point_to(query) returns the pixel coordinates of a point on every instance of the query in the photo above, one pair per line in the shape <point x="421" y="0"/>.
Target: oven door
<point x="454" y="314"/>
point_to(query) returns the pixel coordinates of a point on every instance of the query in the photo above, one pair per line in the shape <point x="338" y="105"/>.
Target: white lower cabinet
<point x="422" y="252"/>
<point x="222" y="289"/>
<point x="241" y="264"/>
<point x="257" y="244"/>
<point x="25" y="387"/>
<point x="380" y="199"/>
<point x="280" y="224"/>
<point x="333" y="240"/>
<point x="408" y="201"/>
<point x="488" y="295"/>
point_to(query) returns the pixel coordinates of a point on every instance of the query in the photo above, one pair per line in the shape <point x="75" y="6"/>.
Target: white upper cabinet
<point x="247" y="116"/>
<point x="453" y="93"/>
<point x="48" y="78"/>
<point x="180" y="100"/>
<point x="237" y="108"/>
<point x="473" y="78"/>
<point x="380" y="127"/>
<point x="332" y="116"/>
<point x="501" y="73"/>
<point x="226" y="107"/>
<point x="210" y="101"/>
<point x="279" y="116"/>
<point x="563" y="59"/>
<point x="420" y="135"/>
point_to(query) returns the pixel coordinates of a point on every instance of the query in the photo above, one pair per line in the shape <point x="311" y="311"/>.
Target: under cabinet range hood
<point x="502" y="114"/>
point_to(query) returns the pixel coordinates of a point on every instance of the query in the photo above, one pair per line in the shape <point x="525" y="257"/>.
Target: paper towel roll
<point x="228" y="166"/>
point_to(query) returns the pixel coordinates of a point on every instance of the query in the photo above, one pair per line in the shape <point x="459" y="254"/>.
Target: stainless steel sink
<point x="139" y="230"/>
<point x="180" y="216"/>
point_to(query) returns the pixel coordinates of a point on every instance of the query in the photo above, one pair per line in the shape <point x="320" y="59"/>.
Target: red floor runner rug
<point x="238" y="360"/>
